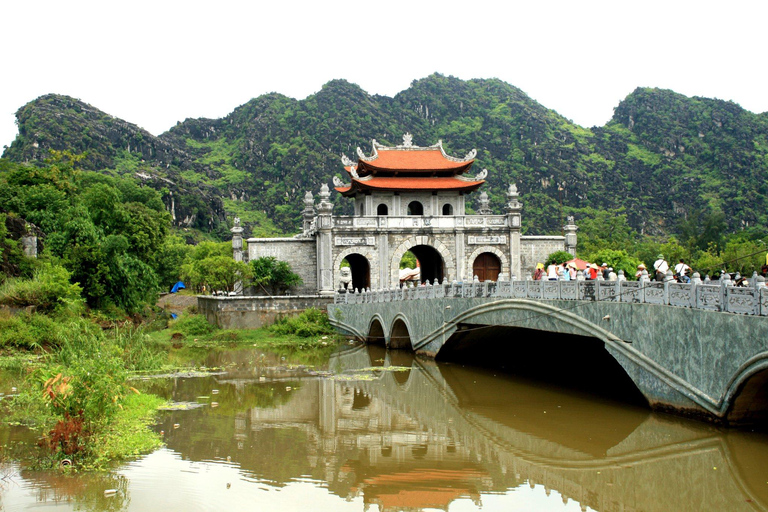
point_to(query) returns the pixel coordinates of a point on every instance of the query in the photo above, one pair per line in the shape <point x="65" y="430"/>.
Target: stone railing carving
<point x="720" y="296"/>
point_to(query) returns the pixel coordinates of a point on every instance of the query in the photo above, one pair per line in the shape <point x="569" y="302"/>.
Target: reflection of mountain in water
<point x="426" y="437"/>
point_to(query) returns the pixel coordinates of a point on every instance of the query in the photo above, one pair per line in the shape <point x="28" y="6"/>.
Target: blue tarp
<point x="178" y="286"/>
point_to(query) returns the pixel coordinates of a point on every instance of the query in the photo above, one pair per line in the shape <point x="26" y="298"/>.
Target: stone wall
<point x="300" y="253"/>
<point x="535" y="249"/>
<point x="255" y="312"/>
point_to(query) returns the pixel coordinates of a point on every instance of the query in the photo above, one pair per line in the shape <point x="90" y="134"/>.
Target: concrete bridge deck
<point x="684" y="346"/>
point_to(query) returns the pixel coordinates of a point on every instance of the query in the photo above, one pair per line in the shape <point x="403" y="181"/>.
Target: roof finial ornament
<point x="407" y="139"/>
<point x="482" y="175"/>
<point x="346" y="161"/>
<point x="337" y="182"/>
<point x="353" y="172"/>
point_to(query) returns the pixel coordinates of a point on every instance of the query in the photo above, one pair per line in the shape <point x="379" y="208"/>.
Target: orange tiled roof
<point x="422" y="159"/>
<point x="403" y="183"/>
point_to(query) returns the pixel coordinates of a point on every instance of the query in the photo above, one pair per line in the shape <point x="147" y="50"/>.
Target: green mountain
<point x="664" y="159"/>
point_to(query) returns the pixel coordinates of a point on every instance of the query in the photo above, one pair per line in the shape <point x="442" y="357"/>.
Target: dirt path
<point x="177" y="303"/>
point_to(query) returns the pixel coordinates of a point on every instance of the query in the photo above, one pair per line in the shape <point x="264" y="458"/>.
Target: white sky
<point x="156" y="62"/>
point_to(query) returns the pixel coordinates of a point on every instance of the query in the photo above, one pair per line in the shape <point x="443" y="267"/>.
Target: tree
<point x="215" y="273"/>
<point x="558" y="258"/>
<point x="273" y="276"/>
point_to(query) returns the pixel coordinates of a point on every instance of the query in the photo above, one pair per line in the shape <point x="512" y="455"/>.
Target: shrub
<point x="558" y="258"/>
<point x="195" y="325"/>
<point x="31" y="331"/>
<point x="311" y="322"/>
<point x="48" y="290"/>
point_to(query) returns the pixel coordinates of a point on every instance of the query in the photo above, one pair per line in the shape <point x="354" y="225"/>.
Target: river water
<point x="382" y="431"/>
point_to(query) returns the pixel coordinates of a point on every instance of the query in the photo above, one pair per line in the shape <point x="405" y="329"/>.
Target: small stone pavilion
<point x="407" y="198"/>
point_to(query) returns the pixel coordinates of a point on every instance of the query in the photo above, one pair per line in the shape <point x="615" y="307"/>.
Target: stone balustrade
<point x="723" y="296"/>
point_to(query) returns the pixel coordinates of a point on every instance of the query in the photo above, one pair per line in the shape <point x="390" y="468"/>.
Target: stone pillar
<point x="570" y="236"/>
<point x="308" y="213"/>
<point x="324" y="227"/>
<point x="237" y="251"/>
<point x="514" y="208"/>
<point x="29" y="245"/>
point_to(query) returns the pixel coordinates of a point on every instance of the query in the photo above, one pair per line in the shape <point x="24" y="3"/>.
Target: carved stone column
<point x="324" y="227"/>
<point x="514" y="208"/>
<point x="308" y="213"/>
<point x="570" y="236"/>
<point x="237" y="251"/>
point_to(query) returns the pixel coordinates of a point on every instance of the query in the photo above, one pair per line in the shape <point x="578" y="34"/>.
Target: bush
<point x="558" y="258"/>
<point x="31" y="331"/>
<point x="49" y="289"/>
<point x="311" y="322"/>
<point x="194" y="325"/>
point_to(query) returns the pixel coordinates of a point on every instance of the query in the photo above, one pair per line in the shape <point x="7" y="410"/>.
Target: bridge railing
<point x="721" y="295"/>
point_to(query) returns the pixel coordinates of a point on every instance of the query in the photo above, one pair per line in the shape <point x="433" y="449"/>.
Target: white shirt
<point x="681" y="269"/>
<point x="661" y="266"/>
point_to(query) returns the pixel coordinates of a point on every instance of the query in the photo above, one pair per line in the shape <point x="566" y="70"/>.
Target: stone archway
<point x="400" y="335"/>
<point x="361" y="271"/>
<point x="376" y="335"/>
<point x="440" y="250"/>
<point x="367" y="261"/>
<point x="503" y="260"/>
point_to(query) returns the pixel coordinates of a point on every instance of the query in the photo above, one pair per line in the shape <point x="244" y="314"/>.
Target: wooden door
<point x="486" y="267"/>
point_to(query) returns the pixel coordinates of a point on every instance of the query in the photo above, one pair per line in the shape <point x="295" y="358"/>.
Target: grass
<point x="72" y="375"/>
<point x="128" y="434"/>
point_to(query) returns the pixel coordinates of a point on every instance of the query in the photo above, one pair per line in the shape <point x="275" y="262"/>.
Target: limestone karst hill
<point x="663" y="157"/>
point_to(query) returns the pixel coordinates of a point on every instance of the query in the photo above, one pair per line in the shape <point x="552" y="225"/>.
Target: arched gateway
<point x="407" y="197"/>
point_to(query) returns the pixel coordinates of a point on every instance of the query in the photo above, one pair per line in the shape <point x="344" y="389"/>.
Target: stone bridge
<point x="698" y="349"/>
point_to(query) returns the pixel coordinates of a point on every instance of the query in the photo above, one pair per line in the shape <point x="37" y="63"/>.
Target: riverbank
<point x="70" y="379"/>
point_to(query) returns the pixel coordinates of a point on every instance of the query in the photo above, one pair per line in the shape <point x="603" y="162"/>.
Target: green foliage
<point x="311" y="322"/>
<point x="49" y="289"/>
<point x="272" y="275"/>
<point x="192" y="325"/>
<point x="107" y="232"/>
<point x="215" y="273"/>
<point x="558" y="258"/>
<point x="13" y="263"/>
<point x="408" y="260"/>
<point x="31" y="331"/>
<point x="618" y="260"/>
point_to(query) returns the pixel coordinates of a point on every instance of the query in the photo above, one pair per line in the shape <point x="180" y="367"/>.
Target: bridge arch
<point x="746" y="401"/>
<point x="503" y="260"/>
<point x="376" y="334"/>
<point x="400" y="334"/>
<point x="362" y="261"/>
<point x="423" y="247"/>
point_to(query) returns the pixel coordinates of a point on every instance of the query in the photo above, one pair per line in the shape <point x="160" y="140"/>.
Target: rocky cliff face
<point x="54" y="122"/>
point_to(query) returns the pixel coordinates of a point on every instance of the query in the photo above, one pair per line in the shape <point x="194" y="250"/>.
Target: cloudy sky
<point x="157" y="62"/>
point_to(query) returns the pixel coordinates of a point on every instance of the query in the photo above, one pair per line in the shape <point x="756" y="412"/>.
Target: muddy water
<point x="381" y="431"/>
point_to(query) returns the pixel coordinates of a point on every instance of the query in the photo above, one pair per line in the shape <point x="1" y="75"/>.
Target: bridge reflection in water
<point x="433" y="433"/>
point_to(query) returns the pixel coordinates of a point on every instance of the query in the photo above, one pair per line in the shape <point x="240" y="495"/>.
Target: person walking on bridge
<point x="661" y="267"/>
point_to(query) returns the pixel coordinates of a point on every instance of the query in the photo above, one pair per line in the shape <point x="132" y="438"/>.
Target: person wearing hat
<point x="593" y="271"/>
<point x="604" y="270"/>
<point x="640" y="269"/>
<point x="661" y="267"/>
<point x="539" y="272"/>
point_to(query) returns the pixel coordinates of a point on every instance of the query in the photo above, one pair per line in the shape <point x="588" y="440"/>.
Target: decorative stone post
<point x="570" y="235"/>
<point x="29" y="243"/>
<point x="308" y="213"/>
<point x="513" y="209"/>
<point x="324" y="226"/>
<point x="237" y="250"/>
<point x="483" y="204"/>
<point x="237" y="240"/>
